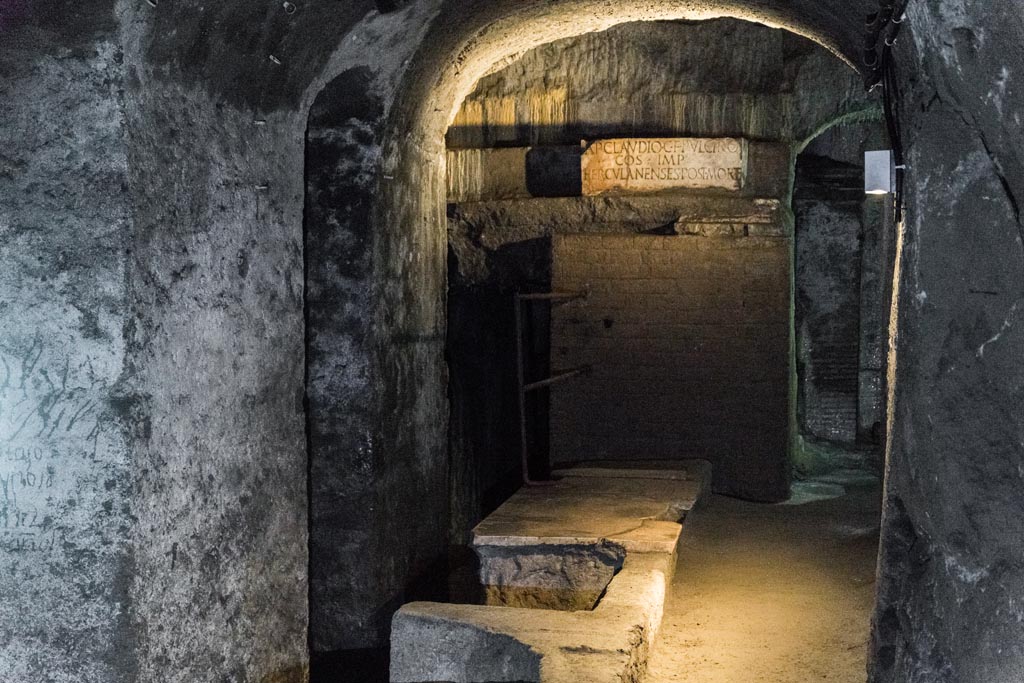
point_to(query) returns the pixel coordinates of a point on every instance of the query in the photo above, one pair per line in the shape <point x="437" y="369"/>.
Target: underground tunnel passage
<point x="626" y="219"/>
<point x="257" y="258"/>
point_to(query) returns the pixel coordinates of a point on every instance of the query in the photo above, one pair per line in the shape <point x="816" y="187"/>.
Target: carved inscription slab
<point x="657" y="164"/>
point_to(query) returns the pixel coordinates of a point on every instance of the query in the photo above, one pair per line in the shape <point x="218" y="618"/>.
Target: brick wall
<point x="828" y="235"/>
<point x="688" y="338"/>
<point x="841" y="313"/>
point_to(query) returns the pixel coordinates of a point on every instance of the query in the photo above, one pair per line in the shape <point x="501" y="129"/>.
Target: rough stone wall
<point x="340" y="376"/>
<point x="688" y="340"/>
<point x="829" y="230"/>
<point x="375" y="337"/>
<point x="250" y="211"/>
<point x="376" y="391"/>
<point x="654" y="77"/>
<point x="951" y="575"/>
<point x="722" y="77"/>
<point x="216" y="351"/>
<point x="878" y="257"/>
<point x="828" y="319"/>
<point x="66" y="468"/>
<point x="847" y="142"/>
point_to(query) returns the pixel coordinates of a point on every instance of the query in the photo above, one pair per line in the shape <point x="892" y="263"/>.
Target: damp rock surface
<point x="950" y="569"/>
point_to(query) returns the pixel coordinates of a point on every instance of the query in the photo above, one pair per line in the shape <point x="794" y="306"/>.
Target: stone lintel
<point x="567" y="213"/>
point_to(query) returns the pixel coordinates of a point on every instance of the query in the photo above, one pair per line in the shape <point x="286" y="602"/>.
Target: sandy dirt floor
<point x="772" y="593"/>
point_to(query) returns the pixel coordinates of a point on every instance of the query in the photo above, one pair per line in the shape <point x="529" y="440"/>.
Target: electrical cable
<point x="890" y="100"/>
<point x="881" y="30"/>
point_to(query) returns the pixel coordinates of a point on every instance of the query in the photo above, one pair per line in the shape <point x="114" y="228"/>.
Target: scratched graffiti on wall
<point x="47" y="418"/>
<point x="26" y="474"/>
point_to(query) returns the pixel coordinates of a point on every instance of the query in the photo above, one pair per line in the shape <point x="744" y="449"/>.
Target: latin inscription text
<point x="654" y="164"/>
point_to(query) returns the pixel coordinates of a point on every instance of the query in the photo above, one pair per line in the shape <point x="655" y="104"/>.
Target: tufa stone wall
<point x="950" y="572"/>
<point x="67" y="419"/>
<point x="375" y="378"/>
<point x="659" y="79"/>
<point x="688" y="340"/>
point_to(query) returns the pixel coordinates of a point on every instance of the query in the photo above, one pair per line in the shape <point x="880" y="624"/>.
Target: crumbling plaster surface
<point x="951" y="574"/>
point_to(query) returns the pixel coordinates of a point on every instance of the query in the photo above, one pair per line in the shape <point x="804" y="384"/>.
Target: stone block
<point x="599" y="544"/>
<point x="562" y="577"/>
<point x="640" y="165"/>
<point x="433" y="642"/>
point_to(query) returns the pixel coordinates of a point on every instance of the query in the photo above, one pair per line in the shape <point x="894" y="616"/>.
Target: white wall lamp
<point x="880" y="172"/>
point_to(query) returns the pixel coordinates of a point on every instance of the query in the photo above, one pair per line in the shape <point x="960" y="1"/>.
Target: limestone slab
<point x="558" y="546"/>
<point x="657" y="164"/>
<point x="599" y="544"/>
<point x="587" y="507"/>
<point x="475" y="644"/>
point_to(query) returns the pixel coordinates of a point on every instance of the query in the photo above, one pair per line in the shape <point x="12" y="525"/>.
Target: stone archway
<point x="379" y="453"/>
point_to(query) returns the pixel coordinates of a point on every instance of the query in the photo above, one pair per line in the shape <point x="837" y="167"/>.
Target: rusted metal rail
<point x="523" y="386"/>
<point x="559" y="377"/>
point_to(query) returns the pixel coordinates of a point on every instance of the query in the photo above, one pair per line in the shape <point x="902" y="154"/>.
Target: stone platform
<point x="575" y="574"/>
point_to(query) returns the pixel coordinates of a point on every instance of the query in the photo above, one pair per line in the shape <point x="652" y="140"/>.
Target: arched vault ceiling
<point x="268" y="55"/>
<point x="467" y="38"/>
